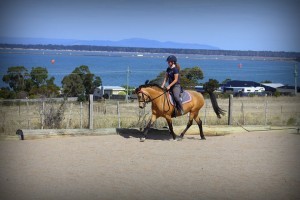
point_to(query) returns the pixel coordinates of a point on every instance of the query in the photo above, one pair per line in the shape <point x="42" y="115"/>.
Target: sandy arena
<point x="255" y="165"/>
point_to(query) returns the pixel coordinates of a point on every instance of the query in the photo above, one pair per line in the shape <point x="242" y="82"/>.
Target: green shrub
<point x="291" y="121"/>
<point x="81" y="98"/>
<point x="277" y="93"/>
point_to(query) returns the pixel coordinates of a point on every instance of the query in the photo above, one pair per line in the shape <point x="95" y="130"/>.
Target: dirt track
<point x="256" y="165"/>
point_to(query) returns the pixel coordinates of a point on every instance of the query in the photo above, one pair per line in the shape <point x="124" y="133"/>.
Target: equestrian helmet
<point x="172" y="58"/>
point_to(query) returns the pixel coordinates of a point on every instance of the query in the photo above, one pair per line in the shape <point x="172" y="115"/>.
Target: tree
<point x="72" y="85"/>
<point x="6" y="93"/>
<point x="39" y="76"/>
<point x="49" y="89"/>
<point x="16" y="78"/>
<point x="89" y="80"/>
<point x="34" y="83"/>
<point x="97" y="82"/>
<point x="211" y="85"/>
<point x="81" y="82"/>
<point x="39" y="84"/>
<point x="193" y="75"/>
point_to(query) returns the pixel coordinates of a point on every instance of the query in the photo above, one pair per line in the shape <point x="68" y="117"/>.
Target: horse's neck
<point x="159" y="101"/>
<point x="153" y="93"/>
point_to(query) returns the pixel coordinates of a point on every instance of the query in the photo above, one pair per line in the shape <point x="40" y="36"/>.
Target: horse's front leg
<point x="153" y="118"/>
<point x="189" y="124"/>
<point x="169" y="121"/>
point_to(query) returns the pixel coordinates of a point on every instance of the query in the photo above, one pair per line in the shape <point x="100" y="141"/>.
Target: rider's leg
<point x="176" y="92"/>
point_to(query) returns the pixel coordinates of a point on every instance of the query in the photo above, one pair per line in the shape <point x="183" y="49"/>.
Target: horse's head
<point x="147" y="93"/>
<point x="143" y="97"/>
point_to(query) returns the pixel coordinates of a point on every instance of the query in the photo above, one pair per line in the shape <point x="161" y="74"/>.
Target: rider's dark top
<point x="171" y="74"/>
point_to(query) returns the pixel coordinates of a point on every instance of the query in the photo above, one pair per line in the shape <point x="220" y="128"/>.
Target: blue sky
<point x="228" y="24"/>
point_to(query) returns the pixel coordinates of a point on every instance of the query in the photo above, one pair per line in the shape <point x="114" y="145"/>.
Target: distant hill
<point x="133" y="42"/>
<point x="279" y="55"/>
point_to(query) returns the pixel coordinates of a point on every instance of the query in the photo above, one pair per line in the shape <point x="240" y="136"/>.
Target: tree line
<point x="80" y="83"/>
<point x="37" y="84"/>
<point x="280" y="54"/>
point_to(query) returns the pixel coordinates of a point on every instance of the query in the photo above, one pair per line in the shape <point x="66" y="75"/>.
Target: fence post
<point x="81" y="115"/>
<point x="118" y="111"/>
<point x="27" y="107"/>
<point x="19" y="118"/>
<point x="91" y="113"/>
<point x="43" y="114"/>
<point x="28" y="124"/>
<point x="230" y="110"/>
<point x="266" y="112"/>
<point x="69" y="117"/>
<point x="281" y="114"/>
<point x="19" y="108"/>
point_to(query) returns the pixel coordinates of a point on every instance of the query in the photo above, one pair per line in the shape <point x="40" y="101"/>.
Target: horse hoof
<point x="142" y="139"/>
<point x="203" y="138"/>
<point x="179" y="139"/>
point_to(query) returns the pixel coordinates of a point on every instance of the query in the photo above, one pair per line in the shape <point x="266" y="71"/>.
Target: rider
<point x="172" y="75"/>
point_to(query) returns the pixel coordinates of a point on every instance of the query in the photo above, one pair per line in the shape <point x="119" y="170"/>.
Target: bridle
<point x="148" y="100"/>
<point x="143" y="99"/>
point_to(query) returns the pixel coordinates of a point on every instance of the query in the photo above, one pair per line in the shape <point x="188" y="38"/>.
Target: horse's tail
<point x="215" y="106"/>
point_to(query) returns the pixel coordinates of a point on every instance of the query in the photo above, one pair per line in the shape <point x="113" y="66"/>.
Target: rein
<point x="150" y="100"/>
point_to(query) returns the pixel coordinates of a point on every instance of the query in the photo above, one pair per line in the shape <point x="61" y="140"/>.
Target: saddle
<point x="185" y="98"/>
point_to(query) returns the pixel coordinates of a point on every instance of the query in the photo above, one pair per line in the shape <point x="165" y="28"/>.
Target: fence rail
<point x="70" y="114"/>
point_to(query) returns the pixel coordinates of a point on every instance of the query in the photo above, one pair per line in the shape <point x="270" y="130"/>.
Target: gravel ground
<point x="255" y="165"/>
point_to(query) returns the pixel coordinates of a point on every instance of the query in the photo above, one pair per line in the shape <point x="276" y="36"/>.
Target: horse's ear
<point x="146" y="82"/>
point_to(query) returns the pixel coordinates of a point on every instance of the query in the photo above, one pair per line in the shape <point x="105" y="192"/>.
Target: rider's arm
<point x="165" y="80"/>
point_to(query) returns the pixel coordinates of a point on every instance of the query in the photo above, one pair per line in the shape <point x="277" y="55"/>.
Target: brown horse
<point x="161" y="107"/>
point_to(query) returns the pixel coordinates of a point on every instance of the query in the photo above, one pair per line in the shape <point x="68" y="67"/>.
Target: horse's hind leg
<point x="199" y="122"/>
<point x="169" y="121"/>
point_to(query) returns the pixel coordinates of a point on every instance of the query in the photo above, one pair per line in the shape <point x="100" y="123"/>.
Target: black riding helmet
<point x="172" y="58"/>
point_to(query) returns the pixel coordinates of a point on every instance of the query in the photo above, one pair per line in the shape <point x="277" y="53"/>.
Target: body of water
<point x="112" y="66"/>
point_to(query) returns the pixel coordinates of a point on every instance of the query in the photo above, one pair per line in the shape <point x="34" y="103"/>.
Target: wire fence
<point x="70" y="114"/>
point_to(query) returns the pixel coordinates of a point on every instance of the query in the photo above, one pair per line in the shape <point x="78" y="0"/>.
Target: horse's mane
<point x="148" y="85"/>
